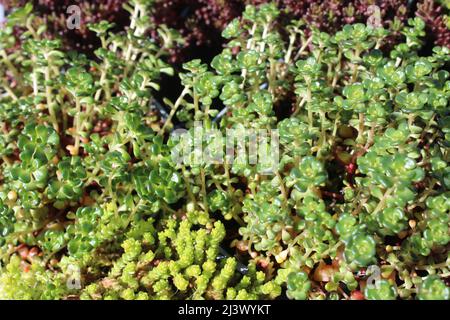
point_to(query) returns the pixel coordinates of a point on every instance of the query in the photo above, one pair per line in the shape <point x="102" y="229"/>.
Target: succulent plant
<point x="352" y="203"/>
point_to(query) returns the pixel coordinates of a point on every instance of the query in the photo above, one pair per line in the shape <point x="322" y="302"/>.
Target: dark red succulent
<point x="55" y="16"/>
<point x="432" y="14"/>
<point x="201" y="22"/>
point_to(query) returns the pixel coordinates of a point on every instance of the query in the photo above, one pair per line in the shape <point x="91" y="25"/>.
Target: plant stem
<point x="9" y="90"/>
<point x="371" y="136"/>
<point x="203" y="181"/>
<point x="77" y="123"/>
<point x="300" y="51"/>
<point x="9" y="64"/>
<point x="361" y="128"/>
<point x="50" y="106"/>
<point x="283" y="189"/>
<point x="338" y="70"/>
<point x="188" y="186"/>
<point x="380" y="205"/>
<point x="174" y="110"/>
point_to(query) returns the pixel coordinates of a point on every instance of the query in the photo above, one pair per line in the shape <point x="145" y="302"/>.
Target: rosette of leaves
<point x="7" y="220"/>
<point x="268" y="221"/>
<point x="362" y="182"/>
<point x="28" y="179"/>
<point x="159" y="183"/>
<point x="71" y="174"/>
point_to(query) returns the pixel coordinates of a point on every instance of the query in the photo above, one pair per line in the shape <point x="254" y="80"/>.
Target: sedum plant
<point x="94" y="206"/>
<point x="352" y="189"/>
<point x="201" y="21"/>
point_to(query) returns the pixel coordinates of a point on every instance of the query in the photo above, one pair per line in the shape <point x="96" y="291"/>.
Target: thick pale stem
<point x="10" y="66"/>
<point x="9" y="90"/>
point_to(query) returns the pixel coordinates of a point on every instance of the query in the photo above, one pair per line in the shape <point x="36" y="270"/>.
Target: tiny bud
<point x="72" y="150"/>
<point x="190" y="207"/>
<point x="20" y="214"/>
<point x="33" y="252"/>
<point x="12" y="195"/>
<point x="54" y="262"/>
<point x="263" y="263"/>
<point x="23" y="252"/>
<point x="324" y="272"/>
<point x="282" y="256"/>
<point x="357" y="295"/>
<point x="25" y="266"/>
<point x="242" y="246"/>
<point x="412" y="223"/>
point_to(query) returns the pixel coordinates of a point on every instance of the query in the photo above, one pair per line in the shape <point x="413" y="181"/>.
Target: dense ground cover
<point x="94" y="206"/>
